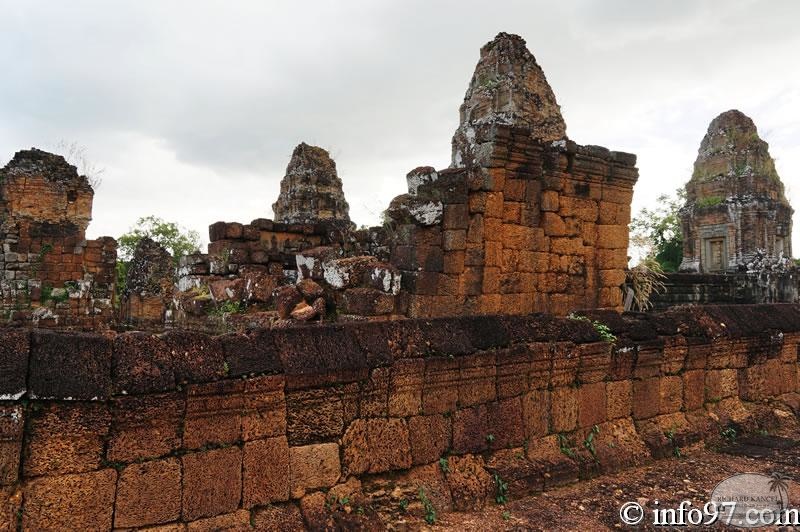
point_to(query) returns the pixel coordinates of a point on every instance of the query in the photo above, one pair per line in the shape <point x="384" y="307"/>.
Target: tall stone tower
<point x="508" y="87"/>
<point x="311" y="191"/>
<point x="735" y="210"/>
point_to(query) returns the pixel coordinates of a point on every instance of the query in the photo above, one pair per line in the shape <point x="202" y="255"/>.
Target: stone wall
<point x="715" y="289"/>
<point x="533" y="228"/>
<point x="246" y="263"/>
<point x="303" y="427"/>
<point x="51" y="275"/>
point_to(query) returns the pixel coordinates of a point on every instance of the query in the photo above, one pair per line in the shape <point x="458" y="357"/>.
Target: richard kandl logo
<point x="747" y="500"/>
<point x="753" y="500"/>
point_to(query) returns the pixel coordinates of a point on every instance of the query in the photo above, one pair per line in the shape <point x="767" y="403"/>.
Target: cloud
<point x="193" y="107"/>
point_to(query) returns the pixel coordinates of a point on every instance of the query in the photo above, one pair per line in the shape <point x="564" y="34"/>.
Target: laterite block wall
<point x="200" y="432"/>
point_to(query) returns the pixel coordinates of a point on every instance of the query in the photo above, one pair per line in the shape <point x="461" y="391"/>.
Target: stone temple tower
<point x="736" y="211"/>
<point x="509" y="88"/>
<point x="311" y="191"/>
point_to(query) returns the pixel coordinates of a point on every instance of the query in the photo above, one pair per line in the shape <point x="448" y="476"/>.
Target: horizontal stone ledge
<point x="61" y="365"/>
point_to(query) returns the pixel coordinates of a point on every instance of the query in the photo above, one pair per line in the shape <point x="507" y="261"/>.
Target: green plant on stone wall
<point x="427" y="505"/>
<point x="601" y="328"/>
<point x="709" y="201"/>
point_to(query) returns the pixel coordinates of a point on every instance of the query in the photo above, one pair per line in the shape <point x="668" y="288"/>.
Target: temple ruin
<point x="51" y="275"/>
<point x="736" y="224"/>
<point x="280" y="381"/>
<point x="736" y="212"/>
<point x="311" y="191"/>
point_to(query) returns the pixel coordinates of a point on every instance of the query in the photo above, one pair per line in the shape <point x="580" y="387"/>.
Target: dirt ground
<point x="594" y="504"/>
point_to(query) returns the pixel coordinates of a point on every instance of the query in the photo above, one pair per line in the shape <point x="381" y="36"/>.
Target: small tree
<point x="174" y="238"/>
<point x="657" y="232"/>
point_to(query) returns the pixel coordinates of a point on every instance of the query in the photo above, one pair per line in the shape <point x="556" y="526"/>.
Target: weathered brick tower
<point x="49" y="272"/>
<point x="311" y="191"/>
<point x="524" y="220"/>
<point x="736" y="213"/>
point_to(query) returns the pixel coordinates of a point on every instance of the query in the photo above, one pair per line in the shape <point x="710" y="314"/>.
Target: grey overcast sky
<point x="193" y="107"/>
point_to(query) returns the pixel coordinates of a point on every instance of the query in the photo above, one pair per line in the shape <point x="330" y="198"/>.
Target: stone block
<point x="142" y="364"/>
<point x="266" y="471"/>
<point x="440" y="388"/>
<point x="12" y="423"/>
<point x="536" y="413"/>
<point x="592" y="404"/>
<point x="512" y="372"/>
<point x="612" y="236"/>
<point x="148" y="494"/>
<point x="506" y="426"/>
<point x="312" y="467"/>
<point x="70" y="502"/>
<point x="721" y="383"/>
<point x="405" y="391"/>
<point x="278" y="518"/>
<point x="553" y="224"/>
<point x="477" y="379"/>
<point x="470" y="430"/>
<point x="456" y="216"/>
<point x="429" y="437"/>
<point x="232" y="522"/>
<point x="264" y="414"/>
<point x="145" y="427"/>
<point x="196" y="357"/>
<point x="693" y="389"/>
<point x="646" y="398"/>
<point x="314" y="416"/>
<point x="70" y="366"/>
<point x="213" y="413"/>
<point x="563" y="409"/>
<point x="619" y="399"/>
<point x="66" y="438"/>
<point x="376" y="446"/>
<point x="14" y="349"/>
<point x="212" y="483"/>
<point x="374" y="397"/>
<point x="671" y="395"/>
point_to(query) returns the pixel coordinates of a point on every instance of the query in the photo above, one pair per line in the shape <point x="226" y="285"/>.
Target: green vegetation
<point x="710" y="201"/>
<point x="427" y="505"/>
<point x="175" y="239"/>
<point x="658" y="231"/>
<point x="225" y="308"/>
<point x="602" y="329"/>
<point x="676" y="450"/>
<point x="501" y="495"/>
<point x="729" y="434"/>
<point x="588" y="443"/>
<point x="444" y="465"/>
<point x="566" y="446"/>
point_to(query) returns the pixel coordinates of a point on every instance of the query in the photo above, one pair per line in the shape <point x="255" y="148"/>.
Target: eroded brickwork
<point x="311" y="191"/>
<point x="298" y="428"/>
<point x="50" y="273"/>
<point x="525" y="220"/>
<point x="736" y="215"/>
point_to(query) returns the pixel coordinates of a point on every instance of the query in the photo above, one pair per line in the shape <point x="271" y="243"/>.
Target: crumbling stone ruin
<point x="736" y="212"/>
<point x="51" y="274"/>
<point x="149" y="286"/>
<point x="380" y="418"/>
<point x="508" y="87"/>
<point x="524" y="220"/>
<point x="311" y="190"/>
<point x="737" y="223"/>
